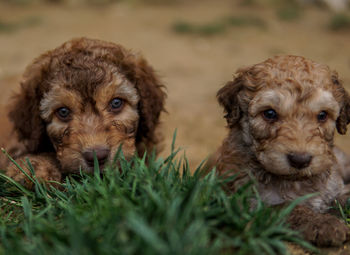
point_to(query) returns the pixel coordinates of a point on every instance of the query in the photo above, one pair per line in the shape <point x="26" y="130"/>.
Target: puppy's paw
<point x="317" y="228"/>
<point x="45" y="169"/>
<point x="326" y="230"/>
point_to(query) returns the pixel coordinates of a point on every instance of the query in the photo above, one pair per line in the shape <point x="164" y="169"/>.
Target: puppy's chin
<point x="277" y="163"/>
<point x="74" y="166"/>
<point x="83" y="167"/>
<point x="72" y="161"/>
<point x="91" y="169"/>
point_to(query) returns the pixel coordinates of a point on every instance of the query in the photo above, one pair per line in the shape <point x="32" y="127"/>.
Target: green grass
<point x="246" y="20"/>
<point x="10" y="27"/>
<point x="209" y="29"/>
<point x="344" y="211"/>
<point x="139" y="208"/>
<point x="218" y="26"/>
<point x="288" y="10"/>
<point x="340" y="21"/>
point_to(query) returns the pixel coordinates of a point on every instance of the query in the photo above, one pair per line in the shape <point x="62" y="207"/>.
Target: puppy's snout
<point x="299" y="160"/>
<point x="102" y="154"/>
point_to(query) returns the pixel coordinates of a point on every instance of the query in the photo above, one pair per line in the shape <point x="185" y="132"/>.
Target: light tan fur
<point x="298" y="91"/>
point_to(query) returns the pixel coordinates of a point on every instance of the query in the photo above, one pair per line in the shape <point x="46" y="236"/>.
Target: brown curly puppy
<point x="282" y="114"/>
<point x="84" y="97"/>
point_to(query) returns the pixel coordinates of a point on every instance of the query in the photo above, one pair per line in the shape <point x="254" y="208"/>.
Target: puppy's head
<point x="88" y="97"/>
<point x="286" y="110"/>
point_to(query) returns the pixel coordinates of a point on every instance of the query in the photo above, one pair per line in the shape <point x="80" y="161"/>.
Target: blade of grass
<point x="16" y="184"/>
<point x="17" y="165"/>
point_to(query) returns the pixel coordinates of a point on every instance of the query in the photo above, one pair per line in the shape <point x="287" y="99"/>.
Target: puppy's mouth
<point x="91" y="167"/>
<point x="100" y="163"/>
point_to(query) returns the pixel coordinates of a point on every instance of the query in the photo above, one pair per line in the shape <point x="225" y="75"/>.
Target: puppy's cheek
<point x="125" y="140"/>
<point x="128" y="148"/>
<point x="320" y="163"/>
<point x="262" y="130"/>
<point x="269" y="151"/>
<point x="323" y="157"/>
<point x="70" y="160"/>
<point x="274" y="162"/>
<point x="123" y="134"/>
<point x="327" y="131"/>
<point x="56" y="132"/>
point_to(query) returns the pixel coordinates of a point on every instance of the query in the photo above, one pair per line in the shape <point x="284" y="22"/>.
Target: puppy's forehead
<point x="63" y="94"/>
<point x="294" y="67"/>
<point x="287" y="101"/>
<point x="87" y="83"/>
<point x="297" y="73"/>
<point x="323" y="100"/>
<point x="84" y="79"/>
<point x="119" y="87"/>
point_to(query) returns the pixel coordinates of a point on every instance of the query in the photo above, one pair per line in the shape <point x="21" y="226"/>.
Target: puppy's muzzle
<point x="299" y="160"/>
<point x="102" y="154"/>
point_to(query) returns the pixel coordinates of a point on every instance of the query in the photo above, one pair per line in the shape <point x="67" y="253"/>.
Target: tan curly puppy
<point x="84" y="97"/>
<point x="282" y="114"/>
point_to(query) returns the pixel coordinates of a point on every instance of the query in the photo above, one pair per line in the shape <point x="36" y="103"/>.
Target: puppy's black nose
<point x="299" y="160"/>
<point x="102" y="154"/>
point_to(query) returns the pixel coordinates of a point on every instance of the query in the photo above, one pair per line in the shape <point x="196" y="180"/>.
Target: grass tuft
<point x="339" y="22"/>
<point x="139" y="208"/>
<point x="246" y="21"/>
<point x="288" y="10"/>
<point x="218" y="26"/>
<point x="11" y="27"/>
<point x="209" y="29"/>
<point x="344" y="211"/>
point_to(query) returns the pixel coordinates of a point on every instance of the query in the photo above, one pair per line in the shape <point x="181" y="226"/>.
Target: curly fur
<point x="298" y="90"/>
<point x="84" y="72"/>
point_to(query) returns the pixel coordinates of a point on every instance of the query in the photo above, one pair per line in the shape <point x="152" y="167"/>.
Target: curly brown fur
<point x="282" y="114"/>
<point x="85" y="76"/>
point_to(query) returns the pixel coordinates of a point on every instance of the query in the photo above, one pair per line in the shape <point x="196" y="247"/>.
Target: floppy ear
<point x="151" y="103"/>
<point x="344" y="115"/>
<point x="24" y="109"/>
<point x="228" y="98"/>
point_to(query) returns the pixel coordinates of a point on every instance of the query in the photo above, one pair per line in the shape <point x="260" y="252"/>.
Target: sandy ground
<point x="192" y="67"/>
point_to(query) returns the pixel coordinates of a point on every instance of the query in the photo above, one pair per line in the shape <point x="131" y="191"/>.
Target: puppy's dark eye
<point x="322" y="116"/>
<point x="116" y="104"/>
<point x="63" y="113"/>
<point x="270" y="115"/>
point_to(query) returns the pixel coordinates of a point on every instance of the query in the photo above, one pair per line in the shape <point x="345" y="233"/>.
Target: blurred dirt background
<point x="195" y="46"/>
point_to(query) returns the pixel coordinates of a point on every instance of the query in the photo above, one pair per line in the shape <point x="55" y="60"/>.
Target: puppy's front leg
<point x="320" y="229"/>
<point x="45" y="166"/>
